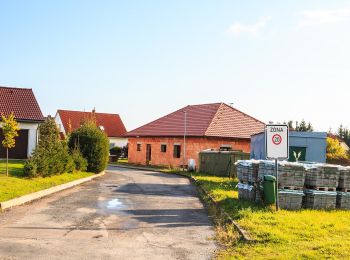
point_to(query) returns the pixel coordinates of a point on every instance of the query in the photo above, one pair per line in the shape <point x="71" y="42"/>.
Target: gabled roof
<point x="20" y="101"/>
<point x="216" y="120"/>
<point x="112" y="123"/>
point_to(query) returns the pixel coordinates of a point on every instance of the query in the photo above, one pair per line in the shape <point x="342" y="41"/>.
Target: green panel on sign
<point x="297" y="153"/>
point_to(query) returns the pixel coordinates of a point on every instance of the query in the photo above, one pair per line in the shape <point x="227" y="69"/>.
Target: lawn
<point x="304" y="234"/>
<point x="17" y="184"/>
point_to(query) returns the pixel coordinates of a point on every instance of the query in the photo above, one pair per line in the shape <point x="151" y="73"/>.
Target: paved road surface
<point x="125" y="214"/>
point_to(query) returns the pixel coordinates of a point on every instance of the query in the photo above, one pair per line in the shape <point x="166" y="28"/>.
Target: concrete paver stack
<point x="307" y="185"/>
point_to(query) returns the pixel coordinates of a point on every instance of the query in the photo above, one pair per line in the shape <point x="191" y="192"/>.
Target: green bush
<point x="93" y="144"/>
<point x="30" y="168"/>
<point x="79" y="161"/>
<point x="51" y="156"/>
<point x="116" y="151"/>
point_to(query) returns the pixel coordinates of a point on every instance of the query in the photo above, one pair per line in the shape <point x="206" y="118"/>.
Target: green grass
<point x="304" y="234"/>
<point x="16" y="184"/>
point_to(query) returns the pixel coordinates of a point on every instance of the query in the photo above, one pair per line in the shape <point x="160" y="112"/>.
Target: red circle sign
<point x="276" y="139"/>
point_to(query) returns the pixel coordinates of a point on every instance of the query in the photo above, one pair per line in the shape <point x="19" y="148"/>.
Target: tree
<point x="10" y="130"/>
<point x="344" y="133"/>
<point x="335" y="152"/>
<point x="93" y="144"/>
<point x="51" y="155"/>
<point x="300" y="127"/>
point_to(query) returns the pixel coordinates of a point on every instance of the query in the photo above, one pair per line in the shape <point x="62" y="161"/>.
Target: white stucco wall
<point x="32" y="135"/>
<point x="117" y="141"/>
<point x="59" y="124"/>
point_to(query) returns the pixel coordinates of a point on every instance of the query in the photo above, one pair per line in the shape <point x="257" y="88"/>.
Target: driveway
<point x="126" y="214"/>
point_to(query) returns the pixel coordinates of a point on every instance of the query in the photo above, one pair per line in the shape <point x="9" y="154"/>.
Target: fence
<point x="220" y="163"/>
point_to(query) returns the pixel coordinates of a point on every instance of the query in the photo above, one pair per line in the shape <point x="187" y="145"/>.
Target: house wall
<point x="117" y="141"/>
<point x="193" y="147"/>
<point x="59" y="124"/>
<point x="32" y="135"/>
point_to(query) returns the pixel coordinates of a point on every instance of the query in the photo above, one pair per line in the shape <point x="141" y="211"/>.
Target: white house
<point x="27" y="112"/>
<point x="112" y="124"/>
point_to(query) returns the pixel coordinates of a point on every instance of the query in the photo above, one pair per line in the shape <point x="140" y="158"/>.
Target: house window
<point x="225" y="147"/>
<point x="163" y="148"/>
<point x="138" y="147"/>
<point x="177" y="151"/>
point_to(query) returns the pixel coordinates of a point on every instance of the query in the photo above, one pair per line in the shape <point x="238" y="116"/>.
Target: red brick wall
<point x="193" y="146"/>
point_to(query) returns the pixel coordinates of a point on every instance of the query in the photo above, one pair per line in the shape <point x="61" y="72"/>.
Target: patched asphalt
<point x="126" y="214"/>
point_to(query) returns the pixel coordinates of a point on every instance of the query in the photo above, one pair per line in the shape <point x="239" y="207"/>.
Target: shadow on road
<point x="176" y="190"/>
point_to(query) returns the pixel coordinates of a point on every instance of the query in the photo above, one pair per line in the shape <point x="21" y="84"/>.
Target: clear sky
<point x="143" y="59"/>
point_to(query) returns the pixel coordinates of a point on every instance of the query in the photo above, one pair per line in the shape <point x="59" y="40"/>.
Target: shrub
<point x="79" y="161"/>
<point x="30" y="168"/>
<point x="51" y="155"/>
<point x="125" y="151"/>
<point x="336" y="154"/>
<point x="116" y="151"/>
<point x="93" y="144"/>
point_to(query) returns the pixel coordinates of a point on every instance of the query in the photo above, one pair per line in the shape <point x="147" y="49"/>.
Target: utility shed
<point x="303" y="146"/>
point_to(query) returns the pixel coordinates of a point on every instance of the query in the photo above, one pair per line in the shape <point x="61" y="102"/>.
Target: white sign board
<point x="277" y="141"/>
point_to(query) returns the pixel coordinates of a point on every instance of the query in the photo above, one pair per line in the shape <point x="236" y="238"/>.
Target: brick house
<point x="208" y="126"/>
<point x="111" y="124"/>
<point x="22" y="102"/>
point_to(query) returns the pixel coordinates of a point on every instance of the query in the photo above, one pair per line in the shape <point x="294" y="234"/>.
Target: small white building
<point x="27" y="112"/>
<point x="111" y="124"/>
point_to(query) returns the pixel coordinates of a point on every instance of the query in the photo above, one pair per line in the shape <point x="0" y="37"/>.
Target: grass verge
<point x="16" y="184"/>
<point x="303" y="234"/>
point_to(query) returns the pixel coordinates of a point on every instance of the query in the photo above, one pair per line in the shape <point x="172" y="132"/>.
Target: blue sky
<point x="143" y="59"/>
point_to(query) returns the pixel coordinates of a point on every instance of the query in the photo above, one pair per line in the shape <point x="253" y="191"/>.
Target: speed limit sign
<point x="277" y="142"/>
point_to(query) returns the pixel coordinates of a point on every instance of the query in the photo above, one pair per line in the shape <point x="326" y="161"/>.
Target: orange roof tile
<point x="216" y="120"/>
<point x="20" y="101"/>
<point x="112" y="123"/>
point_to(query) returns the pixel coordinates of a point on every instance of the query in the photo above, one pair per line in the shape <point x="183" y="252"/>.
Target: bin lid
<point x="269" y="178"/>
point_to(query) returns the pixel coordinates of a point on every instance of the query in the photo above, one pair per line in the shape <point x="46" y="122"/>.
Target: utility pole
<point x="184" y="153"/>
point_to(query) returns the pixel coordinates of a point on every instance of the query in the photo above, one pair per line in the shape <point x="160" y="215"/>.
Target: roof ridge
<point x="15" y="88"/>
<point x="212" y="120"/>
<point x="157" y="119"/>
<point x="197" y="107"/>
<point x="205" y="104"/>
<point x="244" y="113"/>
<point x="79" y="111"/>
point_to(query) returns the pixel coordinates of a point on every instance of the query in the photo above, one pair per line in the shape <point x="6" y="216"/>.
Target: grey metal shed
<point x="304" y="146"/>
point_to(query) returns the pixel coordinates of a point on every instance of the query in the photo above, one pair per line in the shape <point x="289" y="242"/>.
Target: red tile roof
<point x="112" y="123"/>
<point x="21" y="102"/>
<point x="216" y="120"/>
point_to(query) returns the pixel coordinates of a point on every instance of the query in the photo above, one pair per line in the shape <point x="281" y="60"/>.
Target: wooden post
<point x="276" y="169"/>
<point x="7" y="162"/>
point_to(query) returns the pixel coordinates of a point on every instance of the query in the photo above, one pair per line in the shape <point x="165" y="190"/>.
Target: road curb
<point x="244" y="234"/>
<point x="43" y="193"/>
<point x="135" y="167"/>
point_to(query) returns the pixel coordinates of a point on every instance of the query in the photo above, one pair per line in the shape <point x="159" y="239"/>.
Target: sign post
<point x="277" y="147"/>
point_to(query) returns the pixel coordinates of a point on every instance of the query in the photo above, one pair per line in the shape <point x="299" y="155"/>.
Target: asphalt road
<point x="126" y="214"/>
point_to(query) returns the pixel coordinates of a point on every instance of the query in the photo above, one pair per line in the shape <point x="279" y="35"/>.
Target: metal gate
<point x="20" y="150"/>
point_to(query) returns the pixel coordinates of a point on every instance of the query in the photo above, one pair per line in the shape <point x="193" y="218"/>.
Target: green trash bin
<point x="269" y="187"/>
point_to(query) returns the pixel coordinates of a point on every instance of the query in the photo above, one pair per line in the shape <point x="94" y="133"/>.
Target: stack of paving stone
<point x="323" y="177"/>
<point x="290" y="199"/>
<point x="253" y="172"/>
<point x="246" y="192"/>
<point x="344" y="179"/>
<point x="247" y="173"/>
<point x="266" y="168"/>
<point x="243" y="168"/>
<point x="343" y="200"/>
<point x="315" y="199"/>
<point x="291" y="176"/>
